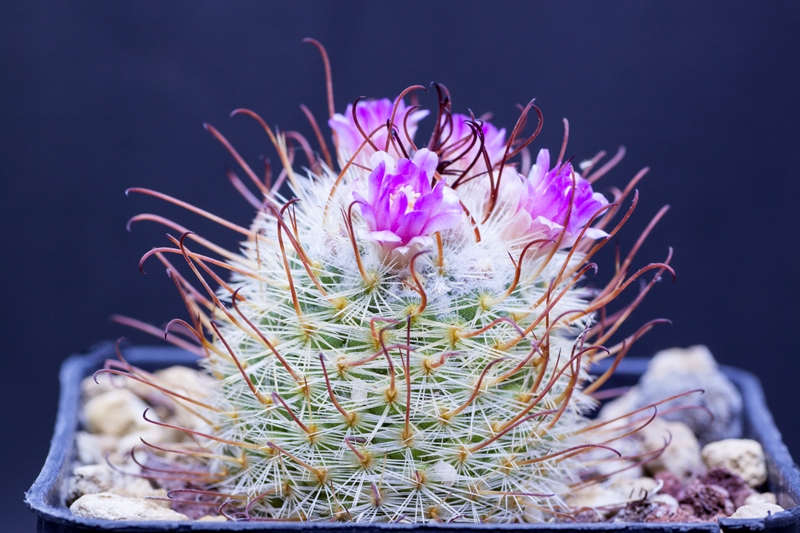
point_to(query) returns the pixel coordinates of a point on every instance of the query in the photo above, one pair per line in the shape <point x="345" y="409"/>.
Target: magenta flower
<point x="372" y="115"/>
<point x="458" y="137"/>
<point x="544" y="204"/>
<point x="401" y="209"/>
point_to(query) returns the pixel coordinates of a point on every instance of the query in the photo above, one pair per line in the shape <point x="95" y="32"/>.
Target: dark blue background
<point x="100" y="96"/>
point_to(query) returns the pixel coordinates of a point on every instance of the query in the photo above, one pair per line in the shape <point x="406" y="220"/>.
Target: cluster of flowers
<point x="406" y="199"/>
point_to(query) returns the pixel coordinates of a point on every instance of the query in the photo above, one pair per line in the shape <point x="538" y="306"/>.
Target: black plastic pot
<point x="46" y="496"/>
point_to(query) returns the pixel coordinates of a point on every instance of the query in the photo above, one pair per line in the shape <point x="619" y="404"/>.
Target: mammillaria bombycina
<point x="405" y="334"/>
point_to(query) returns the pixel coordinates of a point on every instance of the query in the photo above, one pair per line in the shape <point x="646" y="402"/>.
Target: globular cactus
<point x="408" y="337"/>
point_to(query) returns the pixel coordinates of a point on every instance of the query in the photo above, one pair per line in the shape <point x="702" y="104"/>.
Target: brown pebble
<point x="737" y="488"/>
<point x="707" y="502"/>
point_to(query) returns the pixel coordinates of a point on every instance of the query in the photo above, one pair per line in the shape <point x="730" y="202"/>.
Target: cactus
<point x="408" y="337"/>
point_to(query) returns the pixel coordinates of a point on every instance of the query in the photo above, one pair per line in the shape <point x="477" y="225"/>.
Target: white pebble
<point x="107" y="506"/>
<point x="599" y="497"/>
<point x="92" y="449"/>
<point x="116" y="412"/>
<point x="107" y="383"/>
<point x="94" y="479"/>
<point x="682" y="455"/>
<point x="634" y="489"/>
<point x="758" y="510"/>
<point x="692" y="360"/>
<point x="744" y="457"/>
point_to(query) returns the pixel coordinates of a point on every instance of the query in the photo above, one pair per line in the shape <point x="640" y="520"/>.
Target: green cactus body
<point x="389" y="405"/>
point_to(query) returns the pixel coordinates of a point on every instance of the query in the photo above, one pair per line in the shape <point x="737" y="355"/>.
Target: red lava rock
<point x="587" y="516"/>
<point x="737" y="488"/>
<point x="707" y="502"/>
<point x="672" y="484"/>
<point x="649" y="511"/>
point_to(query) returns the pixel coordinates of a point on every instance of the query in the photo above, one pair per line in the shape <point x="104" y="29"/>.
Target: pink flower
<point x="459" y="151"/>
<point x="401" y="209"/>
<point x="543" y="207"/>
<point x="372" y="115"/>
